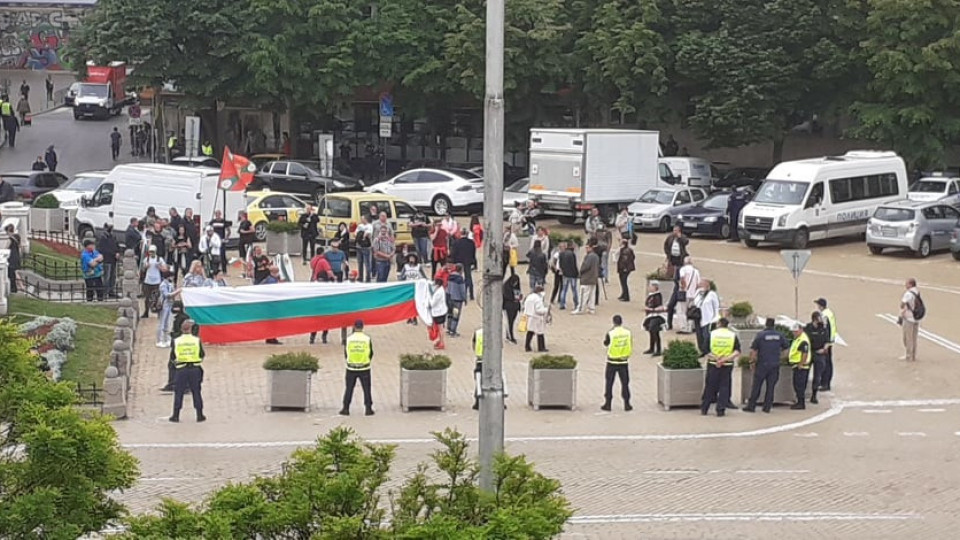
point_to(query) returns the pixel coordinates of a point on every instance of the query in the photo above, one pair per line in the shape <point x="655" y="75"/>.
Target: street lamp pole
<point x="491" y="381"/>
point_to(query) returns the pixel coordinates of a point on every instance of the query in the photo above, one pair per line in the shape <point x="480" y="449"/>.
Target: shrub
<point x="681" y="355"/>
<point x="555" y="238"/>
<point x="741" y="310"/>
<point x="576" y="239"/>
<point x="295" y="361"/>
<point x="785" y="332"/>
<point x="283" y="227"/>
<point x="63" y="334"/>
<point x="744" y="361"/>
<point x="46" y="201"/>
<point x="549" y="361"/>
<point x="424" y="362"/>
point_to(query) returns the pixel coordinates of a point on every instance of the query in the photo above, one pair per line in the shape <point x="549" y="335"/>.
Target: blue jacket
<point x="456" y="288"/>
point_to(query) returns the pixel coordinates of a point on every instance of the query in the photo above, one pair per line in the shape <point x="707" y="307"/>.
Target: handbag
<point x="681" y="296"/>
<point x="514" y="258"/>
<point x="522" y="325"/>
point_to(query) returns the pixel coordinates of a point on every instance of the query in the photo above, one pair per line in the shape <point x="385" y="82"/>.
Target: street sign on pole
<point x="192" y="136"/>
<point x="325" y="148"/>
<point x="386" y="105"/>
<point x="796" y="260"/>
<point x="386" y="126"/>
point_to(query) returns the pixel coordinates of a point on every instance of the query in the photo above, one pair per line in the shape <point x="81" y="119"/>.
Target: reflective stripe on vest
<point x="187" y="350"/>
<point x="722" y="341"/>
<point x="796" y="356"/>
<point x="358" y="352"/>
<point x="478" y="343"/>
<point x="207" y="150"/>
<point x="832" y="319"/>
<point x="621" y="345"/>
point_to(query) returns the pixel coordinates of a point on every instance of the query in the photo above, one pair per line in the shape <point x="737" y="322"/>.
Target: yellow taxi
<point x="347" y="207"/>
<point x="265" y="206"/>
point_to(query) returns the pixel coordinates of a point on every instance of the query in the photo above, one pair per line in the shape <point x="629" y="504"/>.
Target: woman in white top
<point x="689" y="283"/>
<point x="438" y="310"/>
<point x="536" y="311"/>
<point x="510" y="246"/>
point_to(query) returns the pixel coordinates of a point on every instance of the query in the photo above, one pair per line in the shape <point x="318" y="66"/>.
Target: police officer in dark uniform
<point x="765" y="362"/>
<point x="724" y="351"/>
<point x="189" y="376"/>
<point x="735" y="203"/>
<point x="819" y="334"/>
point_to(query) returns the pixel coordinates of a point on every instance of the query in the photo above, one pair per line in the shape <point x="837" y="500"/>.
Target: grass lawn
<point x="86" y="363"/>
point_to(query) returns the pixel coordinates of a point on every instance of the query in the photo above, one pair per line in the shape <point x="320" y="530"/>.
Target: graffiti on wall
<point x="34" y="38"/>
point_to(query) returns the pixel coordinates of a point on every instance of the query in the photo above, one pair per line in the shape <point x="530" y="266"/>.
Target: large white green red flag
<point x="236" y="171"/>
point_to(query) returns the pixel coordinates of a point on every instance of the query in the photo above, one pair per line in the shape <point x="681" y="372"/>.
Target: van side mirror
<point x="84" y="201"/>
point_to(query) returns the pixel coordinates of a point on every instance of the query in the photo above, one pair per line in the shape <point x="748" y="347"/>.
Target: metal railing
<point x="52" y="267"/>
<point x="90" y="396"/>
<point x="63" y="238"/>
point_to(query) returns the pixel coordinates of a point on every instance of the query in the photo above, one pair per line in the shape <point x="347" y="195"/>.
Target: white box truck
<point x="573" y="171"/>
<point x="128" y="190"/>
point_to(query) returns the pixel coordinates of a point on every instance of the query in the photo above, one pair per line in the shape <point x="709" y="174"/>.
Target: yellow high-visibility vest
<point x="171" y="142"/>
<point x="187" y="350"/>
<point x="832" y="319"/>
<point x="6" y="109"/>
<point x="358" y="352"/>
<point x="796" y="355"/>
<point x="478" y="343"/>
<point x="621" y="345"/>
<point x="207" y="150"/>
<point x="722" y="341"/>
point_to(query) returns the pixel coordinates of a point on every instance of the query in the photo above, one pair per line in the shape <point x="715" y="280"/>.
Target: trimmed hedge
<point x="549" y="361"/>
<point x="293" y="361"/>
<point x="424" y="362"/>
<point x="283" y="227"/>
<point x="681" y="355"/>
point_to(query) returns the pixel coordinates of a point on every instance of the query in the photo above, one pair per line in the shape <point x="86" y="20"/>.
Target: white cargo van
<point x="129" y="190"/>
<point x="693" y="171"/>
<point x="813" y="199"/>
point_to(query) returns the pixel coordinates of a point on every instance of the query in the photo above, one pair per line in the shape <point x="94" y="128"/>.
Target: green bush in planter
<point x="785" y="332"/>
<point x="292" y="361"/>
<point x="424" y="362"/>
<point x="681" y="355"/>
<point x="659" y="275"/>
<point x="744" y="361"/>
<point x="283" y="227"/>
<point x="549" y="361"/>
<point x="46" y="201"/>
<point x="575" y="239"/>
<point x="741" y="310"/>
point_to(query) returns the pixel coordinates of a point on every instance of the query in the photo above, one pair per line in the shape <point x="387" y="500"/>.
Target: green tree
<point x="58" y="466"/>
<point x="913" y="56"/>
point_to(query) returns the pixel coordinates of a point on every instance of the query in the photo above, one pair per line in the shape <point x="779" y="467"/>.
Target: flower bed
<point x="53" y="338"/>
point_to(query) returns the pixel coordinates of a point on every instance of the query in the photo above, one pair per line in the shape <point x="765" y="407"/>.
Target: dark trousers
<point x="223" y="257"/>
<point x="423" y="248"/>
<point x="244" y="246"/>
<point x="12" y="137"/>
<point x="703" y="338"/>
<point x="453" y="315"/>
<point x="512" y="309"/>
<point x="827" y="370"/>
<point x="468" y="281"/>
<point x="352" y="378"/>
<point x="655" y="346"/>
<point x="767" y="374"/>
<point x="541" y="342"/>
<point x="308" y="247"/>
<point x="717" y="387"/>
<point x="800" y="377"/>
<point x="149" y="291"/>
<point x="94" y="286"/>
<point x="624" y="288"/>
<point x="109" y="278"/>
<point x="12" y="278"/>
<point x="612" y="372"/>
<point x="187" y="378"/>
<point x="672" y="306"/>
<point x="819" y="367"/>
<point x="114" y="151"/>
<point x="557" y="283"/>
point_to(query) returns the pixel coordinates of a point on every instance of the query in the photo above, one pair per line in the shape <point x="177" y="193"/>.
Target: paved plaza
<point x="873" y="460"/>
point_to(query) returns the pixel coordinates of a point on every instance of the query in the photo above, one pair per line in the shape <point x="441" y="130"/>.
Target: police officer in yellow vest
<point x="358" y="351"/>
<point x="6" y="107"/>
<point x="478" y="368"/>
<point x="724" y="351"/>
<point x="830" y="320"/>
<point x="799" y="359"/>
<point x="206" y="148"/>
<point x="10" y="123"/>
<point x="619" y="344"/>
<point x="189" y="352"/>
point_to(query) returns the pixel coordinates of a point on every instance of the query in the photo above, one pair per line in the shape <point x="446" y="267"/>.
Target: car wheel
<point x="567" y="220"/>
<point x="875" y="250"/>
<point x="751" y="243"/>
<point x="665" y="224"/>
<point x="725" y="231"/>
<point x="441" y="205"/>
<point x="801" y="239"/>
<point x="924" y="250"/>
<point x="260" y="230"/>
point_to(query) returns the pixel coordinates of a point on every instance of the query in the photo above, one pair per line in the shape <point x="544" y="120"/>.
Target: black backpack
<point x="919" y="309"/>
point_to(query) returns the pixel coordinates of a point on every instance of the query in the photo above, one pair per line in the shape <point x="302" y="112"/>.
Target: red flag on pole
<point x="236" y="171"/>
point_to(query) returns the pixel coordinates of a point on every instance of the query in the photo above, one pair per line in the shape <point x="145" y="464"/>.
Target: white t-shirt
<point x="438" y="301"/>
<point x="675" y="249"/>
<point x="909" y="301"/>
<point x="709" y="309"/>
<point x="690" y="276"/>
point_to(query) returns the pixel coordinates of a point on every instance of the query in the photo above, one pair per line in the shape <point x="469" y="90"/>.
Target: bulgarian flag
<point x="258" y="312"/>
<point x="236" y="171"/>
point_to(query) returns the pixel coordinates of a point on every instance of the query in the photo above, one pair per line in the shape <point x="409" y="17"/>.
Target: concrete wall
<point x="34" y="37"/>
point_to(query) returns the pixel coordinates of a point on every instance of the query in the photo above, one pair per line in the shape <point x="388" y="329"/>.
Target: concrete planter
<point x="679" y="387"/>
<point x="290" y="389"/>
<point x="746" y="336"/>
<point x="552" y="388"/>
<point x="783" y="394"/>
<point x="283" y="243"/>
<point x="423" y="389"/>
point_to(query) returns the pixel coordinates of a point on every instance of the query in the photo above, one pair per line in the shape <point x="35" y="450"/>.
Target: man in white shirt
<point x="908" y="319"/>
<point x="688" y="285"/>
<point x="209" y="247"/>
<point x="709" y="304"/>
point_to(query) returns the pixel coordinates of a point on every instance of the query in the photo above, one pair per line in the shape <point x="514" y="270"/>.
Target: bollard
<point x="130" y="285"/>
<point x="121" y="357"/>
<point x="128" y="309"/>
<point x="114" y="393"/>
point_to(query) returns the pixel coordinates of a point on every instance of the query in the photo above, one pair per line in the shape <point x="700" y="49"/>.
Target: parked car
<point x="738" y="177"/>
<point x="938" y="188"/>
<point x="70" y="98"/>
<point x="337" y="208"/>
<point x="511" y="173"/>
<point x="658" y="208"/>
<point x="262" y="159"/>
<point x="708" y="217"/>
<point x="82" y="185"/>
<point x="919" y="226"/>
<point x="196" y="161"/>
<point x="516" y="193"/>
<point x="955" y="242"/>
<point x="266" y="206"/>
<point x="295" y="177"/>
<point x="28" y="185"/>
<point x="443" y="191"/>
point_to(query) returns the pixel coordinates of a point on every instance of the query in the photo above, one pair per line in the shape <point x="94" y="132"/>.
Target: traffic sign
<point x="133" y="111"/>
<point x="796" y="260"/>
<point x="386" y="105"/>
<point x="386" y="127"/>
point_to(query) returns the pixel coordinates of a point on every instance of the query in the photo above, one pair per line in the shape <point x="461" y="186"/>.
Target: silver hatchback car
<point x="921" y="227"/>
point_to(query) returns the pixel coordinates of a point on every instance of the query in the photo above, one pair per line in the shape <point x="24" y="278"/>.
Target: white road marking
<point x="738" y="516"/>
<point x="926" y="334"/>
<point x="773" y="471"/>
<point x="855" y="434"/>
<point x="808" y="435"/>
<point x="877" y="411"/>
<point x="693" y="471"/>
<point x="931" y="410"/>
<point x="911" y="434"/>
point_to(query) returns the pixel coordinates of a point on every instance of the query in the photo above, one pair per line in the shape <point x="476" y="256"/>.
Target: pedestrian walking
<point x="571" y="275"/>
<point x="683" y="294"/>
<point x="478" y="367"/>
<point x="115" y="140"/>
<point x="13" y="260"/>
<point x="358" y="352"/>
<point x="830" y="321"/>
<point x="179" y="316"/>
<point x="536" y="265"/>
<point x="456" y="298"/>
<point x="91" y="265"/>
<point x="50" y="157"/>
<point x="557" y="272"/>
<point x="724" y="351"/>
<point x="707" y="306"/>
<point x="653" y="320"/>
<point x="151" y="274"/>
<point x="189" y="371"/>
<point x="512" y="296"/>
<point x="626" y="265"/>
<point x="39" y="164"/>
<point x="25" y="90"/>
<point x="675" y="248"/>
<point x="602" y="248"/>
<point x="765" y="363"/>
<point x="383" y="248"/>
<point x="912" y="311"/>
<point x="23" y="109"/>
<point x="799" y="359"/>
<point x="511" y="255"/>
<point x="619" y="344"/>
<point x="817" y="331"/>
<point x="589" y="279"/>
<point x="108" y="247"/>
<point x="308" y="223"/>
<point x="49" y="85"/>
<point x="438" y="311"/>
<point x="168" y="293"/>
<point x="535" y="311"/>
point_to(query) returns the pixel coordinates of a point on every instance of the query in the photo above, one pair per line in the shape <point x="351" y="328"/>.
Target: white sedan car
<point x="81" y="185"/>
<point x="936" y="188"/>
<point x="658" y="208"/>
<point x="443" y="191"/>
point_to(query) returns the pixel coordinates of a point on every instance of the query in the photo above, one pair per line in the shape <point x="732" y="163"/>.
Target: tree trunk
<point x="778" y="141"/>
<point x="290" y="131"/>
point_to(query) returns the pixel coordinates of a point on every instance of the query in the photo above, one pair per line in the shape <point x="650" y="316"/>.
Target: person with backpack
<point x="912" y="311"/>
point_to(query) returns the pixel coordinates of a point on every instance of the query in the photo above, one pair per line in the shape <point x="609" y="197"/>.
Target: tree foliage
<point x="58" y="466"/>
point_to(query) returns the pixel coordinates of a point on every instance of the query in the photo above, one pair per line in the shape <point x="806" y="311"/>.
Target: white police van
<point x="813" y="199"/>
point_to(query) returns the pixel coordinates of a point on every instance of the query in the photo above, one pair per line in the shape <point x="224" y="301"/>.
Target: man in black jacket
<point x="7" y="194"/>
<point x="675" y="248"/>
<point x="308" y="233"/>
<point x="132" y="238"/>
<point x="571" y="272"/>
<point x="819" y="335"/>
<point x="108" y="247"/>
<point x="464" y="251"/>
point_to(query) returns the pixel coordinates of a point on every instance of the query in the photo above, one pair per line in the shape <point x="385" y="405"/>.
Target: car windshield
<point x="93" y="90"/>
<point x="781" y="192"/>
<point x="928" y="186"/>
<point x="894" y="214"/>
<point x="83" y="183"/>
<point x="16" y="180"/>
<point x="520" y="186"/>
<point x="658" y="196"/>
<point x="717" y="202"/>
